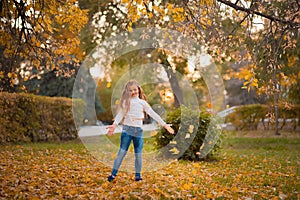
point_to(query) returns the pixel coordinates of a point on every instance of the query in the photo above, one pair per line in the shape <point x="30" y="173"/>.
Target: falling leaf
<point x="191" y="128"/>
<point x="108" y="85"/>
<point x="208" y="105"/>
<point x="174" y="150"/>
<point x="173" y="142"/>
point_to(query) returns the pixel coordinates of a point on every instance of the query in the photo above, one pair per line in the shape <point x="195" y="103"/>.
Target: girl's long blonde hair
<point x="125" y="99"/>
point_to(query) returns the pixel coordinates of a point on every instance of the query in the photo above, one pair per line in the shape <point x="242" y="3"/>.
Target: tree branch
<point x="252" y="11"/>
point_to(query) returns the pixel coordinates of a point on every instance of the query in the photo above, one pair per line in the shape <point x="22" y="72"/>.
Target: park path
<point x="85" y="131"/>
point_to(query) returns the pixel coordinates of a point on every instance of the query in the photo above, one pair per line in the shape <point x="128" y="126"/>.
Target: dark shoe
<point x="111" y="178"/>
<point x="138" y="179"/>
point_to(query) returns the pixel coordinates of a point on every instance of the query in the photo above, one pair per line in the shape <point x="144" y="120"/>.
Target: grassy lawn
<point x="249" y="166"/>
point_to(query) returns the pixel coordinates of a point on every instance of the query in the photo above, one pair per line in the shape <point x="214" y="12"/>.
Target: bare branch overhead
<point x="292" y="24"/>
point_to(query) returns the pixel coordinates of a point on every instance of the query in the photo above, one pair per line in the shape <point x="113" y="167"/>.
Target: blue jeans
<point x="136" y="135"/>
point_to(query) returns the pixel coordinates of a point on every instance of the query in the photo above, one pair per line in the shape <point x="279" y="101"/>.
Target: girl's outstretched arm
<point x="157" y="118"/>
<point x="111" y="129"/>
<point x="169" y="129"/>
<point x="118" y="119"/>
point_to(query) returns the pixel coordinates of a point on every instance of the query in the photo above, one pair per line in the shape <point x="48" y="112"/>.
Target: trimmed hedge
<point x="257" y="116"/>
<point x="197" y="136"/>
<point x="30" y="118"/>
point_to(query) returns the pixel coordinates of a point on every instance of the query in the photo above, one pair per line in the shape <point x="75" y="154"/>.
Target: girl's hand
<point x="111" y="129"/>
<point x="169" y="129"/>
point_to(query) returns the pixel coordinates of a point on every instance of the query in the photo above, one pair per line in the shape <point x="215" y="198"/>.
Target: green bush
<point x="30" y="118"/>
<point x="249" y="117"/>
<point x="196" y="138"/>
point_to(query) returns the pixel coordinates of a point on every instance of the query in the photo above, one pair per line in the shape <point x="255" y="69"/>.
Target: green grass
<point x="101" y="142"/>
<point x="262" y="143"/>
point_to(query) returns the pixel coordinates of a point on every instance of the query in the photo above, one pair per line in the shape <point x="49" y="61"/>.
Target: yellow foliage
<point x="292" y="60"/>
<point x="57" y="29"/>
<point x="206" y="2"/>
<point x="150" y="15"/>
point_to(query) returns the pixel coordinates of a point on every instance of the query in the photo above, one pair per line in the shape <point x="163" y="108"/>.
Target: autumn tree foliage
<point x="263" y="32"/>
<point x="259" y="36"/>
<point x="42" y="34"/>
<point x="112" y="19"/>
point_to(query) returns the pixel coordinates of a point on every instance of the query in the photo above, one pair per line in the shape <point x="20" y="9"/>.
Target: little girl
<point x="132" y="107"/>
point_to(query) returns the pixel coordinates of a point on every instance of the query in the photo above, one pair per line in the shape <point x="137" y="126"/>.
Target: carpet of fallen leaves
<point x="59" y="172"/>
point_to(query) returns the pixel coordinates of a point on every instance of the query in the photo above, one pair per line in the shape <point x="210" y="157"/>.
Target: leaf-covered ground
<point x="247" y="168"/>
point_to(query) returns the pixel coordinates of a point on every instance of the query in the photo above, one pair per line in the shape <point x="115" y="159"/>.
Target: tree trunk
<point x="276" y="113"/>
<point x="178" y="98"/>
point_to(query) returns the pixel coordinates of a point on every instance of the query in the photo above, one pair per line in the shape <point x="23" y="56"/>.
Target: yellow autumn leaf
<point x="1" y="74"/>
<point x="208" y="105"/>
<point x="191" y="128"/>
<point x="129" y="28"/>
<point x="196" y="165"/>
<point x="187" y="136"/>
<point x="173" y="142"/>
<point x="210" y="2"/>
<point x="150" y="15"/>
<point x="247" y="76"/>
<point x="187" y="186"/>
<point x="169" y="6"/>
<point x="174" y="150"/>
<point x="255" y="83"/>
<point x="192" y="26"/>
<point x="108" y="84"/>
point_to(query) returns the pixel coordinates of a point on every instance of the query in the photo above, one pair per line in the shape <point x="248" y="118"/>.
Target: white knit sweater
<point x="135" y="115"/>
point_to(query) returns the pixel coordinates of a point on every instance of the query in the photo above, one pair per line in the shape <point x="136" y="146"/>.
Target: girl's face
<point x="134" y="91"/>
